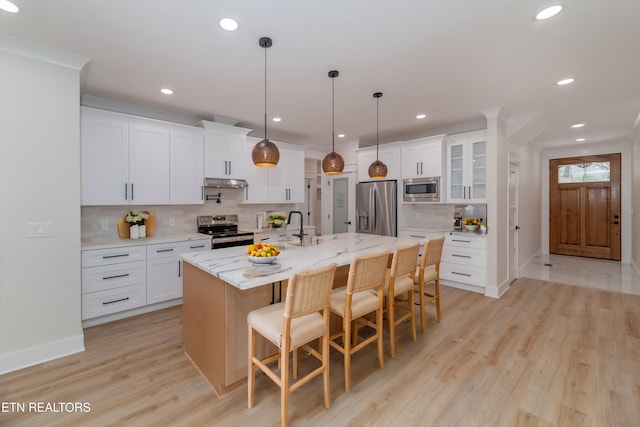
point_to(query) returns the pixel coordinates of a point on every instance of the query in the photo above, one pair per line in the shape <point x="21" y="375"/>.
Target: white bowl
<point x="262" y="260"/>
<point x="472" y="227"/>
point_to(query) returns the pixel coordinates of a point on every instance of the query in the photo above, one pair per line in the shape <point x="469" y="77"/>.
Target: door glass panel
<point x="340" y="205"/>
<point x="479" y="170"/>
<point x="584" y="172"/>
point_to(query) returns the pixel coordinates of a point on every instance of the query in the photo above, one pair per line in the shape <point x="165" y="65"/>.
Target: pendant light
<point x="333" y="163"/>
<point x="265" y="153"/>
<point x="377" y="169"/>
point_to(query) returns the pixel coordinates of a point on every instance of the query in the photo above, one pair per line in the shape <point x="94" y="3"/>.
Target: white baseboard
<point x="41" y="353"/>
<point x="497" y="292"/>
<point x="635" y="267"/>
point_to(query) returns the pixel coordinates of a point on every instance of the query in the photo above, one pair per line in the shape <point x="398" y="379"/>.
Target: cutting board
<point x="150" y="223"/>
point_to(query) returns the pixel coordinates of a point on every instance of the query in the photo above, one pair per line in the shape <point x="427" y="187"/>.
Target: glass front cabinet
<point x="466" y="168"/>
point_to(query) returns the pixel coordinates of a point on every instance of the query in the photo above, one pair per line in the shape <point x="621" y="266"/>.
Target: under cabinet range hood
<point x="225" y="183"/>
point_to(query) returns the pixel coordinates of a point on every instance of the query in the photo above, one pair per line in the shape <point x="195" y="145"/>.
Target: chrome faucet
<point x="301" y="235"/>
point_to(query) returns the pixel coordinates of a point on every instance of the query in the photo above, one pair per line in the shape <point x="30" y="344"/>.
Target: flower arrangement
<point x="136" y="218"/>
<point x="276" y="221"/>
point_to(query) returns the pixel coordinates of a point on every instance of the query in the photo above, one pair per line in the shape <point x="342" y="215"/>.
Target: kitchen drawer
<point x="195" y="245"/>
<point x="464" y="256"/>
<point x="417" y="234"/>
<point x="101" y="303"/>
<point x="161" y="250"/>
<point x="466" y="240"/>
<point x="105" y="277"/>
<point x="463" y="274"/>
<point x="97" y="257"/>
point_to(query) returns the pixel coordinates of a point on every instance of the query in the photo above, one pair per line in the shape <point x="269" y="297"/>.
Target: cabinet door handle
<point x="225" y="167"/>
<point x="461" y="256"/>
<point x="462" y="241"/>
<point x="116" y="276"/>
<point x="461" y="274"/>
<point x="164" y="250"/>
<point x="417" y="172"/>
<point x="229" y="167"/>
<point x="470" y="193"/>
<point x="114" y="301"/>
<point x="415" y="235"/>
<point x="196" y="247"/>
<point x="421" y="171"/>
<point x="202" y="192"/>
<point x="465" y="192"/>
<point x="126" y="192"/>
<point x="179" y="269"/>
<point x="114" y="256"/>
<point x="132" y="191"/>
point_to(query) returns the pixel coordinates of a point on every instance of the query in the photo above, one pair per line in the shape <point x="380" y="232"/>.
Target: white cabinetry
<point x="423" y="157"/>
<point x="117" y="280"/>
<point x="464" y="261"/>
<point x="389" y="154"/>
<point x="134" y="160"/>
<point x="113" y="280"/>
<point x="466" y="168"/>
<point x="283" y="183"/>
<point x="223" y="150"/>
<point x="186" y="165"/>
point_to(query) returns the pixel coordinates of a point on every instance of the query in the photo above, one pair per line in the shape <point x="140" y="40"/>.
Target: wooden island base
<point x="215" y="324"/>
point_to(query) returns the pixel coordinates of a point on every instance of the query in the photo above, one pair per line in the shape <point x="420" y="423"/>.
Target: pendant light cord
<point x="377" y="123"/>
<point x="265" y="92"/>
<point x="333" y="114"/>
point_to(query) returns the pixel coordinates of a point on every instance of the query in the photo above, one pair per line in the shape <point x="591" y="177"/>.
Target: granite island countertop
<point x="232" y="266"/>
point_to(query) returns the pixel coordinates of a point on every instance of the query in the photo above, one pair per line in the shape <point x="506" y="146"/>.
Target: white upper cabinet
<point x="149" y="156"/>
<point x="389" y="154"/>
<point x="423" y="157"/>
<point x="466" y="168"/>
<point x="104" y="158"/>
<point x="133" y="160"/>
<point x="223" y="150"/>
<point x="186" y="170"/>
<point x="283" y="183"/>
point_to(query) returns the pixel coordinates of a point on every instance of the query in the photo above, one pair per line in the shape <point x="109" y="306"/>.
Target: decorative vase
<point x="142" y="230"/>
<point x="134" y="231"/>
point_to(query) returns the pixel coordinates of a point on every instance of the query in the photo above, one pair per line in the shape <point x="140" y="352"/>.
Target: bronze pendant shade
<point x="333" y="163"/>
<point x="377" y="169"/>
<point x="265" y="153"/>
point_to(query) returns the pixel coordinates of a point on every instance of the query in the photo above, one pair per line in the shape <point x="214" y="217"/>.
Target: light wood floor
<point x="544" y="354"/>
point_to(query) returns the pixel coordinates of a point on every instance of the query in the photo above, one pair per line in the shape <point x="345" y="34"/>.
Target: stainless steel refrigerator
<point x="376" y="208"/>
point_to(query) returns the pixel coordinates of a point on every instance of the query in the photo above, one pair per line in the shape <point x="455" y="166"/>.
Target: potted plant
<point x="277" y="221"/>
<point x="136" y="224"/>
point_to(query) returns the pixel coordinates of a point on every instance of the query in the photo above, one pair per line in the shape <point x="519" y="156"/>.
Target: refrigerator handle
<point x="375" y="209"/>
<point x="372" y="213"/>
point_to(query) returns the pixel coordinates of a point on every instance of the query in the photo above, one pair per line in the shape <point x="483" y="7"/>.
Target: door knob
<point x="517" y="227"/>
<point x="348" y="222"/>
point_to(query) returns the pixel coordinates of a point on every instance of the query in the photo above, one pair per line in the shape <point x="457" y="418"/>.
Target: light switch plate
<point x="39" y="229"/>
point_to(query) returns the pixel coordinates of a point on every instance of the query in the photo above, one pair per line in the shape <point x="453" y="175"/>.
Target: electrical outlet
<point x="172" y="221"/>
<point x="105" y="224"/>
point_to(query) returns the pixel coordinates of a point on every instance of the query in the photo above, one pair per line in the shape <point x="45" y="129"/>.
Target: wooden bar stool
<point x="429" y="273"/>
<point x="291" y="325"/>
<point x="357" y="299"/>
<point x="400" y="280"/>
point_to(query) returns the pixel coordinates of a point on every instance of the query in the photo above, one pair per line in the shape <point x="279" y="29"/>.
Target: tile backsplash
<point x="174" y="219"/>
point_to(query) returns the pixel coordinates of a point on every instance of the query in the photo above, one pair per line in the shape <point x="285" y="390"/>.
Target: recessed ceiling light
<point x="577" y="125"/>
<point x="277" y="119"/>
<point x="565" y="81"/>
<point x="341" y="135"/>
<point x="166" y="91"/>
<point x="229" y="24"/>
<point x="581" y="139"/>
<point x="421" y="116"/>
<point x="549" y="12"/>
<point x="7" y="6"/>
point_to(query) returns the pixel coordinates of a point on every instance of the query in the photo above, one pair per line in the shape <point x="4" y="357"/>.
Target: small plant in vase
<point x="136" y="224"/>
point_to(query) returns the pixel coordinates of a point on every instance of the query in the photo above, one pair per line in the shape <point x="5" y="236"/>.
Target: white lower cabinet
<point x="464" y="261"/>
<point x="118" y="279"/>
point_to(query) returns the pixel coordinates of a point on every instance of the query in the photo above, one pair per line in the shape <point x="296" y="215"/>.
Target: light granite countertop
<point x="233" y="267"/>
<point x="144" y="241"/>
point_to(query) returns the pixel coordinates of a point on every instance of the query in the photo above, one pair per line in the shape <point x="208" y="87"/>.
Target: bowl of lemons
<point x="262" y="253"/>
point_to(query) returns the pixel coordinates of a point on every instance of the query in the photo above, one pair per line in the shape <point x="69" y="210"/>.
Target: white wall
<point x="39" y="182"/>
<point x="635" y="191"/>
<point x="623" y="147"/>
<point x="529" y="202"/>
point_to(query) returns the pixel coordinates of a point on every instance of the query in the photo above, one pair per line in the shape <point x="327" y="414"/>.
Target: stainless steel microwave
<point x="421" y="189"/>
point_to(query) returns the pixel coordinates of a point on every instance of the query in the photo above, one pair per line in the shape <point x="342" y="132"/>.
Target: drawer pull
<point x="461" y="256"/>
<point x="116" y="277"/>
<point x="461" y="274"/>
<point x="114" y="301"/>
<point x="196" y="247"/>
<point x="114" y="256"/>
<point x="164" y="250"/>
<point x="421" y="237"/>
<point x="463" y="241"/>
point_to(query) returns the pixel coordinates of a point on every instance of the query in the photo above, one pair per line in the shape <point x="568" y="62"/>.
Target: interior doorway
<point x="514" y="179"/>
<point x="340" y="205"/>
<point x="585" y="206"/>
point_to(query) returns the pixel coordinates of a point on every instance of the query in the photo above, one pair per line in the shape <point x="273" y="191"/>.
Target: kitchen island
<point x="221" y="287"/>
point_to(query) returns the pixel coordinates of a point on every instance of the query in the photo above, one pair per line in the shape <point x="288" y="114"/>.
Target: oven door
<point x="229" y="241"/>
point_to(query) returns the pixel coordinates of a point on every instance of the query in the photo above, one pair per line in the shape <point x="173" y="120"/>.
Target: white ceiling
<point x="449" y="59"/>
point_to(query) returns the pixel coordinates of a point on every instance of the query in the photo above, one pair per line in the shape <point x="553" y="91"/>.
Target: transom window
<point x="584" y="172"/>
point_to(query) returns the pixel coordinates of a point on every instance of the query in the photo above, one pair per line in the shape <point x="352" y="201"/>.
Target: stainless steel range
<point x="223" y="230"/>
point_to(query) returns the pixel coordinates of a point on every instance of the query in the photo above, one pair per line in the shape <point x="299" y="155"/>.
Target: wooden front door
<point x="584" y="206"/>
